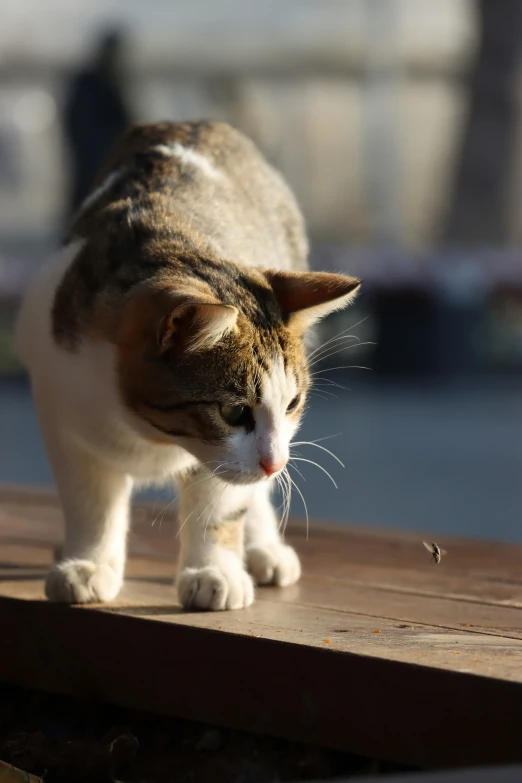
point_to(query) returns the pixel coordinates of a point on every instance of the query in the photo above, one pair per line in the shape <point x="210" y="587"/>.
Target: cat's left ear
<point x="306" y="297"/>
<point x="196" y="325"/>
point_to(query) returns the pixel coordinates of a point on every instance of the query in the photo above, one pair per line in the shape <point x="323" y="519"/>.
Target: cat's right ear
<point x="307" y="297"/>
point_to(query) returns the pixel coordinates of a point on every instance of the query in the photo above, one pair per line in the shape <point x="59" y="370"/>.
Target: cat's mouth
<point x="237" y="475"/>
<point x="229" y="472"/>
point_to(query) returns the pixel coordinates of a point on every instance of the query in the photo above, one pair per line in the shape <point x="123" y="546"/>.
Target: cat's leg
<point x="268" y="558"/>
<point x="95" y="501"/>
<point x="211" y="572"/>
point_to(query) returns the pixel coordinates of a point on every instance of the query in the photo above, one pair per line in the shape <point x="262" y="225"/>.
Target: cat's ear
<point x="306" y="297"/>
<point x="195" y="326"/>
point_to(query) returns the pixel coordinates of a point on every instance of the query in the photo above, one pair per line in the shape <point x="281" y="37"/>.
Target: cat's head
<point x="218" y="365"/>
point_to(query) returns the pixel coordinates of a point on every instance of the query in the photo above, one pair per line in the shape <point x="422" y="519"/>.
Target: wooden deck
<point x="376" y="651"/>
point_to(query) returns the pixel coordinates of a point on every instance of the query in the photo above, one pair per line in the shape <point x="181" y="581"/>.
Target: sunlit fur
<point x="181" y="288"/>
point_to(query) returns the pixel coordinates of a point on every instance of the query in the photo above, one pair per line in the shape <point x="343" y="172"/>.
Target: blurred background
<point x="398" y="123"/>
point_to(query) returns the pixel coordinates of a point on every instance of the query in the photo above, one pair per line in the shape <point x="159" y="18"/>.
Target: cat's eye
<point x="235" y="415"/>
<point x="293" y="405"/>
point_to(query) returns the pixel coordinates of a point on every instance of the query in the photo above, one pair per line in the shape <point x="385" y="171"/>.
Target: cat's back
<point x="184" y="154"/>
<point x="219" y="144"/>
<point x="209" y="176"/>
<point x="202" y="182"/>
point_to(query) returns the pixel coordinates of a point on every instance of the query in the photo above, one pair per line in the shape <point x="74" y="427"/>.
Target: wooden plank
<point x="321" y="593"/>
<point x="272" y="619"/>
<point x="359" y="702"/>
<point x="365" y="595"/>
<point x="151" y="584"/>
<point x="444" y="611"/>
<point x="269" y="618"/>
<point x="352" y="658"/>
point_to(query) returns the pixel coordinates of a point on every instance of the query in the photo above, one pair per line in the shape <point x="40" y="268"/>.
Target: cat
<point x="165" y="340"/>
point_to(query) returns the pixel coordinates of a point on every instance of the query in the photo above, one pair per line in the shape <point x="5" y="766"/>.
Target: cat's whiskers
<point x="282" y="505"/>
<point x="289" y="499"/>
<point x="304" y="503"/>
<point x="297" y="457"/>
<point x="256" y="378"/>
<point x="278" y="484"/>
<point x="318" y="440"/>
<point x="205" y="478"/>
<point x="334" y="343"/>
<point x="303" y="459"/>
<point x="331" y="341"/>
<point x="338" y="350"/>
<point x="318" y="394"/>
<point x="162" y="512"/>
<point x="313" y="390"/>
<point x="214" y="474"/>
<point x="286" y="488"/>
<point x="340" y="345"/>
<point x="298" y="471"/>
<point x="343" y="367"/>
<point x="173" y="500"/>
<point x="339" y="335"/>
<point x="214" y="500"/>
<point x="316" y="445"/>
<point x="160" y="497"/>
<point x="211" y="512"/>
<point x="283" y="484"/>
<point x="322" y="381"/>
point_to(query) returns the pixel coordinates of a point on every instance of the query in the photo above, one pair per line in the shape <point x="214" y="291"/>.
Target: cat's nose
<point x="270" y="467"/>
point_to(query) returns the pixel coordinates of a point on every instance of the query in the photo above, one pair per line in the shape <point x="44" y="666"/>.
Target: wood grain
<point x="375" y="651"/>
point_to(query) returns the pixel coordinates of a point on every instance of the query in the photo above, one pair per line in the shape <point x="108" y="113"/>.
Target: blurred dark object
<point x="406" y="341"/>
<point x="435" y="315"/>
<point x="479" y="210"/>
<point x="10" y="170"/>
<point x="69" y="740"/>
<point x="95" y="115"/>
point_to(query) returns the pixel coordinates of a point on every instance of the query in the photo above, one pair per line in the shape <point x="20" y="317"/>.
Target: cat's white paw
<point x="82" y="582"/>
<point x="223" y="586"/>
<point x="273" y="564"/>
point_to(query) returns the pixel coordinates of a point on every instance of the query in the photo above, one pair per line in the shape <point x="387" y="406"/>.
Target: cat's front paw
<point x="273" y="564"/>
<point x="82" y="582"/>
<point x="216" y="587"/>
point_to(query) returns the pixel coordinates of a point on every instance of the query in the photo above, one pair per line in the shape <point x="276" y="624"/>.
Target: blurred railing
<point x="358" y="102"/>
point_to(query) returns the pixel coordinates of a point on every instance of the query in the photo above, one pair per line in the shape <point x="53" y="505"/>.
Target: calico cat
<point x="165" y="341"/>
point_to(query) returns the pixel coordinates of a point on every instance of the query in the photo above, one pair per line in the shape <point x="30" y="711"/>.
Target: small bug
<point x="435" y="551"/>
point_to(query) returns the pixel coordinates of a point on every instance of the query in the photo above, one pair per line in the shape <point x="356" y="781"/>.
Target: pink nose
<point x="272" y="467"/>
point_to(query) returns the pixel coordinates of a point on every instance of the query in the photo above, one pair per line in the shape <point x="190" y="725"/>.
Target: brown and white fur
<point x="165" y="341"/>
